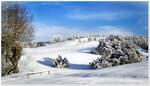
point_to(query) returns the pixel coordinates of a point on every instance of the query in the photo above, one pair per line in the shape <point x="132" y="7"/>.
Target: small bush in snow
<point x="61" y="63"/>
<point x="100" y="63"/>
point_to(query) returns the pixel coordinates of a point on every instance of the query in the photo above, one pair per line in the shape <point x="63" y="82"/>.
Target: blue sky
<point x="81" y="18"/>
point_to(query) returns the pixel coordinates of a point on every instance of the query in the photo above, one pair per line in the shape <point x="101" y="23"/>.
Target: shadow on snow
<point x="46" y="61"/>
<point x="49" y="62"/>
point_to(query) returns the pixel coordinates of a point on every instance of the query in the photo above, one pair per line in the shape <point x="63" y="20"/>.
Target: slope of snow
<point x="40" y="59"/>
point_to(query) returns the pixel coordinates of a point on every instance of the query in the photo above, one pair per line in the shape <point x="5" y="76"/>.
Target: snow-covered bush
<point x="140" y="41"/>
<point x="116" y="50"/>
<point x="100" y="63"/>
<point x="61" y="63"/>
<point x="104" y="48"/>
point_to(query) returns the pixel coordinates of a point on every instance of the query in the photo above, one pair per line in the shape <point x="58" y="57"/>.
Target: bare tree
<point x="16" y="27"/>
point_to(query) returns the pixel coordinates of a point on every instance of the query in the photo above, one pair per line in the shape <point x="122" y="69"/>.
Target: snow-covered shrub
<point x="40" y="44"/>
<point x="103" y="48"/>
<point x="124" y="60"/>
<point x="61" y="63"/>
<point x="100" y="63"/>
<point x="116" y="50"/>
<point x="140" y="41"/>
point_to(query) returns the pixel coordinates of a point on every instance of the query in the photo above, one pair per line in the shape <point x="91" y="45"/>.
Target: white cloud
<point x="116" y="30"/>
<point x="46" y="32"/>
<point x="107" y="15"/>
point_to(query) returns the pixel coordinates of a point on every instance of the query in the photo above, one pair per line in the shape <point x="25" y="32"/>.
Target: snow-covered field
<point x="40" y="60"/>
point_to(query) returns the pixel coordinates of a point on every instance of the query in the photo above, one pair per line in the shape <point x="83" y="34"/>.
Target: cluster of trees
<point x="140" y="41"/>
<point x="17" y="29"/>
<point x="116" y="50"/>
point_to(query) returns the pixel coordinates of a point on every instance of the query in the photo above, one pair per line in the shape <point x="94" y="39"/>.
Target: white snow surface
<point x="37" y="60"/>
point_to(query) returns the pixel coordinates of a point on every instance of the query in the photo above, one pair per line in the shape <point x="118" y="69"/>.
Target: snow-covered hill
<point x="40" y="59"/>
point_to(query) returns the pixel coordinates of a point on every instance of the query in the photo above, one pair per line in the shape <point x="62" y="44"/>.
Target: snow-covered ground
<point x="40" y="59"/>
